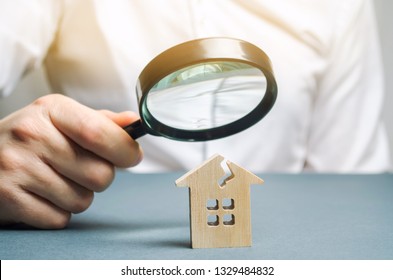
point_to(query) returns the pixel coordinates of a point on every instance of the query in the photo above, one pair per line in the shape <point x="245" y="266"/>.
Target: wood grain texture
<point x="220" y="212"/>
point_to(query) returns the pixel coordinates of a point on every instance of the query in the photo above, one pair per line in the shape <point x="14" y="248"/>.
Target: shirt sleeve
<point x="346" y="132"/>
<point x="27" y="29"/>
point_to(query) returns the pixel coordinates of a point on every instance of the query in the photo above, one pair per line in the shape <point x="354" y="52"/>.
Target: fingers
<point x="27" y="171"/>
<point x="49" y="145"/>
<point x="77" y="164"/>
<point x="121" y="119"/>
<point x="38" y="212"/>
<point x="92" y="130"/>
<point x="55" y="154"/>
<point x="33" y="193"/>
<point x="57" y="189"/>
<point x="21" y="206"/>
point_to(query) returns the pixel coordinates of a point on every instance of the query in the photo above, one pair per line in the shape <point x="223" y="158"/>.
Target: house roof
<point x="212" y="168"/>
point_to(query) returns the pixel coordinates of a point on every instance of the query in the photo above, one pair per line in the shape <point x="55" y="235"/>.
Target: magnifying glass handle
<point x="135" y="130"/>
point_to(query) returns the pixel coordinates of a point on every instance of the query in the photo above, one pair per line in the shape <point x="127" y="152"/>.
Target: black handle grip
<point x="135" y="130"/>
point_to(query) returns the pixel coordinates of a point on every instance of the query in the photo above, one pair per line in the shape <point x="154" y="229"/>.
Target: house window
<point x="228" y="204"/>
<point x="213" y="220"/>
<point x="228" y="220"/>
<point x="212" y="204"/>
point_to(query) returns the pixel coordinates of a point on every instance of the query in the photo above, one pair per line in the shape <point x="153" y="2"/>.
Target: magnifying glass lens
<point x="204" y="89"/>
<point x="206" y="95"/>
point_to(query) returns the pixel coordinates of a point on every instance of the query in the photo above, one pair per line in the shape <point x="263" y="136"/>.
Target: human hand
<point x="54" y="154"/>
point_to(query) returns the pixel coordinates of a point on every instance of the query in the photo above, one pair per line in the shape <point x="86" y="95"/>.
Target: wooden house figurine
<point x="220" y="212"/>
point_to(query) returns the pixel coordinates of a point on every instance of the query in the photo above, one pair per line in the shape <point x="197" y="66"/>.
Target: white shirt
<point x="325" y="56"/>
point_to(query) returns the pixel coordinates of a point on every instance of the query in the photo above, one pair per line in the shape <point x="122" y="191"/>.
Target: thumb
<point x="122" y="119"/>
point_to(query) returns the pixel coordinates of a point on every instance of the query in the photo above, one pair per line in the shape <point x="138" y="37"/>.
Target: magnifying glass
<point x="204" y="89"/>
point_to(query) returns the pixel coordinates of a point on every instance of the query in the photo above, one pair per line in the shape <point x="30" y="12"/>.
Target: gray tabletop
<point x="307" y="216"/>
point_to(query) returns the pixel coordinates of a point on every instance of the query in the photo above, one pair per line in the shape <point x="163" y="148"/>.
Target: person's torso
<point x="102" y="46"/>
